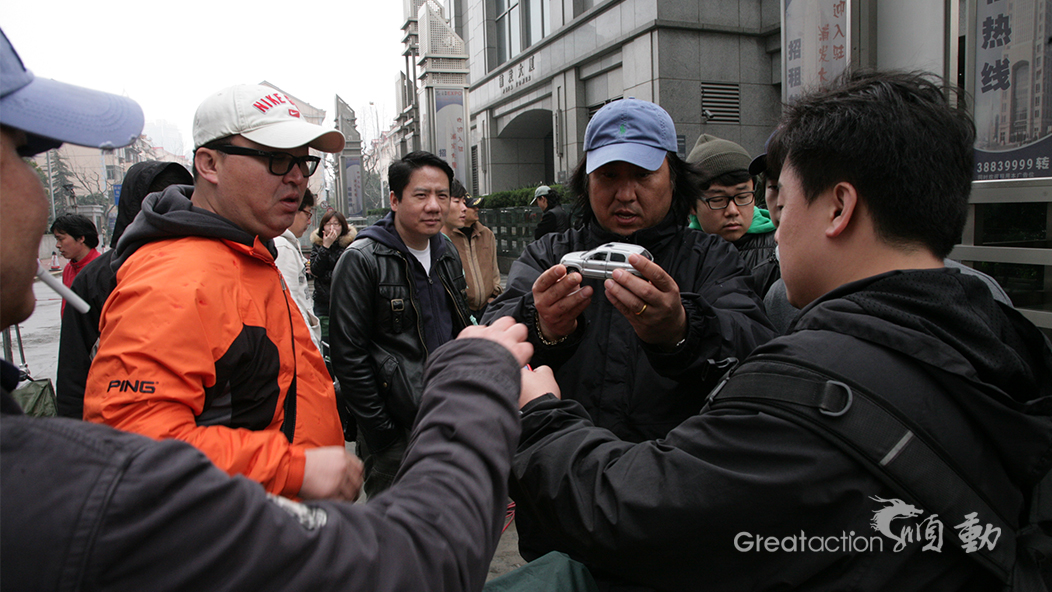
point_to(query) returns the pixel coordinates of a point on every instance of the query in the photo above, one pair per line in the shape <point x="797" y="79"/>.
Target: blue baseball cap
<point x="635" y="131"/>
<point x="52" y="113"/>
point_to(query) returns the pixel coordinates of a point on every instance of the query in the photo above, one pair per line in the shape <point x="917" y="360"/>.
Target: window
<point x="509" y="32"/>
<point x="537" y="21"/>
<point x="617" y="258"/>
<point x="598" y="257"/>
<point x="520" y="24"/>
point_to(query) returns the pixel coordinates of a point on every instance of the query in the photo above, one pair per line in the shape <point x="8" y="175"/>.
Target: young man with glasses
<point x="201" y="340"/>
<point x="726" y="207"/>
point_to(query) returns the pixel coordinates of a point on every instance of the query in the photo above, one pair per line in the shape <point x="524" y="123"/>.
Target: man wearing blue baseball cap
<point x="85" y="506"/>
<point x="639" y="353"/>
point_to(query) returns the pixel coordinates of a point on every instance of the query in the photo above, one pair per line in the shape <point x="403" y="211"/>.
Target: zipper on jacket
<point x="419" y="318"/>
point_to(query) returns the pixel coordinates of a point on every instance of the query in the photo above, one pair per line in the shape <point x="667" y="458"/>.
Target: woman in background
<point x="329" y="240"/>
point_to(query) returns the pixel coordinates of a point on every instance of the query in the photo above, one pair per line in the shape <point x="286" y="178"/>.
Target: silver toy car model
<point x="600" y="262"/>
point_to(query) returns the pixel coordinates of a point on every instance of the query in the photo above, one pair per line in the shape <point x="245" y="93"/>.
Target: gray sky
<point x="169" y="56"/>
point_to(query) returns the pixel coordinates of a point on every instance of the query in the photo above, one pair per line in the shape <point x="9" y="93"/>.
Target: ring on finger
<point x="642" y="309"/>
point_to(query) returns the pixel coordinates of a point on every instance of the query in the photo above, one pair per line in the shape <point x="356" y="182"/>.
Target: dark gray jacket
<point x="86" y="507"/>
<point x="384" y="319"/>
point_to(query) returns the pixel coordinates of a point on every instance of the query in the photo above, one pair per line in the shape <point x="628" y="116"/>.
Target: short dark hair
<point x="78" y="227"/>
<point x="344" y="228"/>
<point x="685" y="189"/>
<point x="400" y="170"/>
<point x="898" y="140"/>
<point x="308" y="200"/>
<point x="553" y="197"/>
<point x="457" y="189"/>
<point x="729" y="179"/>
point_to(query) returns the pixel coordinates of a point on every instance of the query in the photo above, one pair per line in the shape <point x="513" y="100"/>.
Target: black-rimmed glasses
<point x="721" y="202"/>
<point x="280" y="163"/>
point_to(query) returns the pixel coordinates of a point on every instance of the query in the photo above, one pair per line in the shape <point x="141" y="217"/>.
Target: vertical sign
<point x="815" y="47"/>
<point x="352" y="180"/>
<point x="1013" y="105"/>
<point x="449" y="130"/>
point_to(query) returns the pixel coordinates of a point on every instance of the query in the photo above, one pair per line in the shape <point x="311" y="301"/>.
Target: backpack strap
<point x="871" y="431"/>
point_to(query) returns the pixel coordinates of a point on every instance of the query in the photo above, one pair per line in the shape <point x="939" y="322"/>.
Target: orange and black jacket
<point x="201" y="341"/>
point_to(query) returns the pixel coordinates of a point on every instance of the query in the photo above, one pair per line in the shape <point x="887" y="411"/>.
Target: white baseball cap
<point x="263" y="115"/>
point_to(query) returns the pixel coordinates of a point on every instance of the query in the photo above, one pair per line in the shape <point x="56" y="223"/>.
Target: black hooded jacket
<point x="80" y="331"/>
<point x="385" y="318"/>
<point x="702" y="505"/>
<point x="637" y="391"/>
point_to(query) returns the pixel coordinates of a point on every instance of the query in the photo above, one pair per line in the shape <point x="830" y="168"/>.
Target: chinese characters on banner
<point x="1013" y="107"/>
<point x="352" y="180"/>
<point x="816" y="43"/>
<point x="450" y="134"/>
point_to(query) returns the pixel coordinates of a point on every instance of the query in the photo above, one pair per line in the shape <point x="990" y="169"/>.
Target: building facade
<point x="541" y="68"/>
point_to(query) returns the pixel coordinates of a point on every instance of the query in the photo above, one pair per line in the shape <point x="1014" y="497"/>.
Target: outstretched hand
<point x="507" y="333"/>
<point x="537" y="383"/>
<point x="559" y="300"/>
<point x="330" y="472"/>
<point x="651" y="304"/>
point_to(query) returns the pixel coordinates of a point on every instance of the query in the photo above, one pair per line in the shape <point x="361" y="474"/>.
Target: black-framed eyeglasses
<point x="280" y="163"/>
<point x="721" y="202"/>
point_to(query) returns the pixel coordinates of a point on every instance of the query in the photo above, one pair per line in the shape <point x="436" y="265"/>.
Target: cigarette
<point x="71" y="297"/>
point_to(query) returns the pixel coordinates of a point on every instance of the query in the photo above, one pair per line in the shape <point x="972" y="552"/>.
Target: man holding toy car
<point x="639" y="353"/>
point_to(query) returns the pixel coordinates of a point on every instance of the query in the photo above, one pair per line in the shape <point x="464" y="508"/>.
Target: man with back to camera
<point x="727" y="207"/>
<point x="79" y="339"/>
<point x="397" y="295"/>
<point x="85" y="506"/>
<point x="199" y="341"/>
<point x="555" y="218"/>
<point x="745" y="496"/>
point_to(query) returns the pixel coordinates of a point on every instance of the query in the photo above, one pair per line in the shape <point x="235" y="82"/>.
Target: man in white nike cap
<point x="200" y="340"/>
<point x="87" y="507"/>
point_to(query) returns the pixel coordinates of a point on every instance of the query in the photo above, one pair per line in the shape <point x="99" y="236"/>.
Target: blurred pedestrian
<point x="332" y="236"/>
<point x="76" y="238"/>
<point x="555" y="218"/>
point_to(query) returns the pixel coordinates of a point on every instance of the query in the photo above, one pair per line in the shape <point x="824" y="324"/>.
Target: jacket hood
<point x="949" y="320"/>
<point x="136" y="186"/>
<point x="343" y="241"/>
<point x="761" y="222"/>
<point x="169" y="214"/>
<point x="384" y="232"/>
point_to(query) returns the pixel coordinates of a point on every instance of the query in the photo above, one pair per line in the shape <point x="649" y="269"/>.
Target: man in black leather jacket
<point x="398" y="293"/>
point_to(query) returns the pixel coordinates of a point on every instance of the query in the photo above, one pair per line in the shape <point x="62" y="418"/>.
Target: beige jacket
<point x="478" y="253"/>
